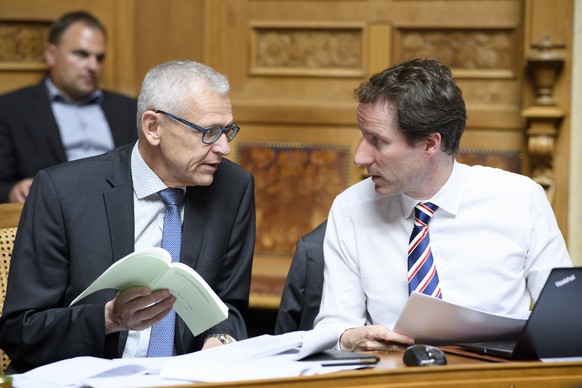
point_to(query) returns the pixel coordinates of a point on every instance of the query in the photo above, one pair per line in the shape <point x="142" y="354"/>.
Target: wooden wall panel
<point x="167" y="30"/>
<point x="141" y="34"/>
<point x="24" y="24"/>
<point x="293" y="65"/>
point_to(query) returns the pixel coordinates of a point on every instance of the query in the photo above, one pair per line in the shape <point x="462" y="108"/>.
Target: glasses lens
<point x="231" y="131"/>
<point x="212" y="135"/>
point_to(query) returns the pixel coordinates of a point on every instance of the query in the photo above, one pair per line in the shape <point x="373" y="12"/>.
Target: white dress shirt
<point x="82" y="124"/>
<point x="494" y="240"/>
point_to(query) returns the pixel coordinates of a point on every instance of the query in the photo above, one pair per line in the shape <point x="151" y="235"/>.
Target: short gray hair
<point x="168" y="85"/>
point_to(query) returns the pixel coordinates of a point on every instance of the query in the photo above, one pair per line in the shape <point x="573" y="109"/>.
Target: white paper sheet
<point x="262" y="357"/>
<point x="256" y="358"/>
<point x="73" y="371"/>
<point x="432" y="320"/>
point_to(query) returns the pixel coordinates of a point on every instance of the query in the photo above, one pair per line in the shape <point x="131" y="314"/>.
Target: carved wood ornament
<point x="543" y="118"/>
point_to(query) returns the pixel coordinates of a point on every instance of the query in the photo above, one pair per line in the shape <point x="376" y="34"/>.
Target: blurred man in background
<point x="66" y="116"/>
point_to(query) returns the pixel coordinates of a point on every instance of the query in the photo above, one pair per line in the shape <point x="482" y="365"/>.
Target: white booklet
<point x="432" y="320"/>
<point x="196" y="303"/>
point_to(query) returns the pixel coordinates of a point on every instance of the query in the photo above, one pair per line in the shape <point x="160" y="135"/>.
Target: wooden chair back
<point x="9" y="217"/>
<point x="10" y="214"/>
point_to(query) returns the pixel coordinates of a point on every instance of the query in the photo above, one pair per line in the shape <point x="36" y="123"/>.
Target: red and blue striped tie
<point x="422" y="273"/>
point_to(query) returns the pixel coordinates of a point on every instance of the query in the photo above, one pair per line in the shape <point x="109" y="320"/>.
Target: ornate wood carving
<point x="22" y="42"/>
<point x="308" y="51"/>
<point x="544" y="61"/>
<point x="481" y="53"/>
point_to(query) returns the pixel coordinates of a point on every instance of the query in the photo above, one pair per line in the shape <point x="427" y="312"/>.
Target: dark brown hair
<point x="425" y="99"/>
<point x="59" y="27"/>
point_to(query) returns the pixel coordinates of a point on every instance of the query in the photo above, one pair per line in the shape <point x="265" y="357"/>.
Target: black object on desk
<point x="334" y="357"/>
<point x="424" y="355"/>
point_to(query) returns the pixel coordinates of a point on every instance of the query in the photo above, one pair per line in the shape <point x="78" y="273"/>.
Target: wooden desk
<point x="460" y="372"/>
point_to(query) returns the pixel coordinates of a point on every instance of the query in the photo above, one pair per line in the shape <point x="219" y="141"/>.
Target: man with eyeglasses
<point x="65" y="116"/>
<point x="82" y="216"/>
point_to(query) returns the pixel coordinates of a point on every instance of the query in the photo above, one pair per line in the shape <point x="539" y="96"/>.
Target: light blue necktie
<point x="162" y="334"/>
<point x="422" y="273"/>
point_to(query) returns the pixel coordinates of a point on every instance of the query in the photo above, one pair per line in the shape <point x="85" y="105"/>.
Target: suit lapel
<point x="192" y="235"/>
<point x="119" y="204"/>
<point x="113" y="120"/>
<point x="46" y="120"/>
<point x="120" y="215"/>
<point x="194" y="226"/>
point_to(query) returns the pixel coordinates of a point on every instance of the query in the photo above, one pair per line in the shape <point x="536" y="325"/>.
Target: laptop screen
<point x="554" y="328"/>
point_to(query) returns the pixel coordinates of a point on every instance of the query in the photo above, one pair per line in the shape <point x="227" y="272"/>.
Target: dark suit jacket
<point x="302" y="292"/>
<point x="30" y="139"/>
<point x="78" y="220"/>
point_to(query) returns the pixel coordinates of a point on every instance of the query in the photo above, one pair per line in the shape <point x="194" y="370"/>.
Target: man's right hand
<point x="137" y="308"/>
<point x="373" y="337"/>
<point x="19" y="191"/>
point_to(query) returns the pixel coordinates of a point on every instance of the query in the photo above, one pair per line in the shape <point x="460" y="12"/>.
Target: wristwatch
<point x="224" y="338"/>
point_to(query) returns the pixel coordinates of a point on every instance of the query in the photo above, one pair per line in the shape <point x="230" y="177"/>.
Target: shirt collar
<point x="145" y="181"/>
<point x="447" y="198"/>
<point x="55" y="94"/>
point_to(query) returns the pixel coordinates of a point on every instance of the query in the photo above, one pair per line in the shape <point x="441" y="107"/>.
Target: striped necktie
<point x="162" y="334"/>
<point x="422" y="272"/>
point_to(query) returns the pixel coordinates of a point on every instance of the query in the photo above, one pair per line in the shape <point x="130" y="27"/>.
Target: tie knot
<point x="424" y="211"/>
<point x="172" y="196"/>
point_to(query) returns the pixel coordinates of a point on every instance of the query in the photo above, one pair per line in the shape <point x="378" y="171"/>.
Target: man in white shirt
<point x="493" y="236"/>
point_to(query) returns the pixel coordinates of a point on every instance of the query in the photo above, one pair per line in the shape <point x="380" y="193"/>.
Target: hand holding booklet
<point x="196" y="303"/>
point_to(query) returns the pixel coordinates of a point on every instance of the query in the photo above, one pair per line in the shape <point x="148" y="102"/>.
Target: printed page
<point x="435" y="321"/>
<point x="72" y="371"/>
<point x="255" y="348"/>
<point x="196" y="303"/>
<point x="140" y="268"/>
<point x="266" y="356"/>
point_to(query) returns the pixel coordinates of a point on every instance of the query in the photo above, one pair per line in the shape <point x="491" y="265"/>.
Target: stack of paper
<point x="260" y="357"/>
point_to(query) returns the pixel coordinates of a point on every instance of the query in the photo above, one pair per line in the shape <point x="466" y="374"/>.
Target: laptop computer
<point x="554" y="328"/>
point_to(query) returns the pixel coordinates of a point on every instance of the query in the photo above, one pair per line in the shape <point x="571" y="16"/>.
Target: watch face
<point x="224" y="338"/>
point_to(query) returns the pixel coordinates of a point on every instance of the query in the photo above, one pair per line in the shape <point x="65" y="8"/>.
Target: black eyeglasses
<point x="209" y="135"/>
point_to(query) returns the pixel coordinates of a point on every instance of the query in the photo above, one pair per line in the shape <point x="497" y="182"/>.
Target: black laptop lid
<point x="554" y="328"/>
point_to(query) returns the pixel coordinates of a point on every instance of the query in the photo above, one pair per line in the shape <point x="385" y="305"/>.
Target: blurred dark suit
<point x="30" y="139"/>
<point x="302" y="293"/>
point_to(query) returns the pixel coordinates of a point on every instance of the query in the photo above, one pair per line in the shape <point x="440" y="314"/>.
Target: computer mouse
<point x="424" y="355"/>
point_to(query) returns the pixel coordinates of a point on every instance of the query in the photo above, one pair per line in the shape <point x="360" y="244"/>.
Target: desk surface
<point x="460" y="371"/>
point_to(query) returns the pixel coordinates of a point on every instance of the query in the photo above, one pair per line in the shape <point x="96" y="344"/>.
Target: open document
<point x="196" y="302"/>
<point x="435" y="321"/>
<point x="266" y="356"/>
